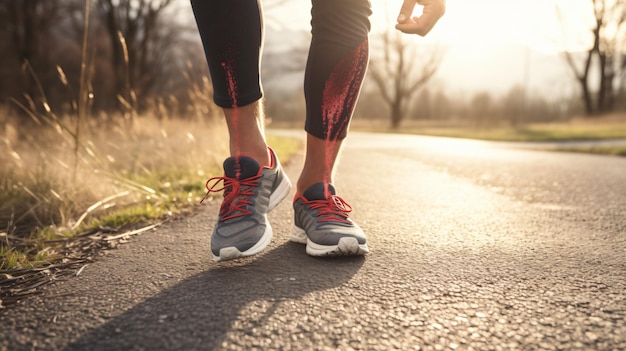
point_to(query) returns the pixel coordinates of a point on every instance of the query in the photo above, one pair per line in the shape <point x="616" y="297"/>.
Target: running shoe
<point x="250" y="192"/>
<point x="322" y="223"/>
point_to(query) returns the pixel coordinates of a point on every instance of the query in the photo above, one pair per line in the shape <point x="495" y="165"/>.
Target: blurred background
<point x="486" y="62"/>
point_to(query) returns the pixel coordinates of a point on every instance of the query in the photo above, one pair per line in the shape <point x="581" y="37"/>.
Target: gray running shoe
<point x="322" y="223"/>
<point x="250" y="192"/>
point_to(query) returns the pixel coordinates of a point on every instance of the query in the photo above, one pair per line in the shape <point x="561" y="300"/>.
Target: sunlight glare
<point x="455" y="146"/>
<point x="477" y="25"/>
<point x="480" y="24"/>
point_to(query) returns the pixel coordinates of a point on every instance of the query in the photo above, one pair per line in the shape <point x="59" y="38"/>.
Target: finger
<point x="410" y="27"/>
<point x="403" y="29"/>
<point x="433" y="10"/>
<point x="406" y="11"/>
<point x="432" y="13"/>
<point x="415" y="26"/>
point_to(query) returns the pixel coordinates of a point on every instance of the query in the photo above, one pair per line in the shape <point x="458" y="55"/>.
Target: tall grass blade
<point x="83" y="92"/>
<point x="96" y="205"/>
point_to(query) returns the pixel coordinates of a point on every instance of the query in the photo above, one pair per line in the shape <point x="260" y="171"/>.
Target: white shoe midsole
<point x="279" y="194"/>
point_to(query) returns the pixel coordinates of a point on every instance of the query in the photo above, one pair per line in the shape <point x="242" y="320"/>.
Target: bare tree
<point x="137" y="53"/>
<point x="422" y="106"/>
<point x="142" y="42"/>
<point x="26" y="31"/>
<point x="396" y="73"/>
<point x="621" y="91"/>
<point x="606" y="52"/>
<point x="515" y="105"/>
<point x="481" y="108"/>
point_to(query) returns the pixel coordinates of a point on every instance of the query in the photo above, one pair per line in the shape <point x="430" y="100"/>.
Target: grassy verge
<point x="536" y="132"/>
<point x="610" y="127"/>
<point x="602" y="150"/>
<point x="286" y="148"/>
<point x="128" y="175"/>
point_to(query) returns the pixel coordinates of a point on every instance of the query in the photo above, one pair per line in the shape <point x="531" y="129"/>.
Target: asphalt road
<point x="474" y="246"/>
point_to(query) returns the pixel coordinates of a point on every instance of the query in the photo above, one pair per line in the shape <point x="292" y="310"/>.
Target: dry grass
<point x="127" y="172"/>
<point x="130" y="174"/>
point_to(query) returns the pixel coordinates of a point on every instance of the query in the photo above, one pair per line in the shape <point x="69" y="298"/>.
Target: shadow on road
<point x="198" y="312"/>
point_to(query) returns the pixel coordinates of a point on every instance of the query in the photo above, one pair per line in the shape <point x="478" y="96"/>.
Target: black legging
<point x="232" y="35"/>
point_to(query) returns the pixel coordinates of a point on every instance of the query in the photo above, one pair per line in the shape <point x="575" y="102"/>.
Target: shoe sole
<point x="231" y="252"/>
<point x="347" y="246"/>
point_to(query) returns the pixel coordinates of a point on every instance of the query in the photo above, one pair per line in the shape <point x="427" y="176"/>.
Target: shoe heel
<point x="279" y="194"/>
<point x="298" y="235"/>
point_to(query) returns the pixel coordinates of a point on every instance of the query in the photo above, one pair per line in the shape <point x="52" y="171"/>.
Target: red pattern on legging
<point x="232" y="35"/>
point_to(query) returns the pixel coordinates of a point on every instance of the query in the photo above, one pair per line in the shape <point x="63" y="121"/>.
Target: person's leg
<point x="335" y="69"/>
<point x="234" y="60"/>
<point x="253" y="182"/>
<point x="320" y="158"/>
<point x="246" y="129"/>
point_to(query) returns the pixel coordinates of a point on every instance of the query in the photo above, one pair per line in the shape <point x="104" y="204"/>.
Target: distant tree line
<point x="138" y="55"/>
<point x="601" y="70"/>
<point x="434" y="103"/>
<point x="480" y="109"/>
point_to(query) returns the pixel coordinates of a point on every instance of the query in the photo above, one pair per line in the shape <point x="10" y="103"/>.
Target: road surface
<point x="474" y="246"/>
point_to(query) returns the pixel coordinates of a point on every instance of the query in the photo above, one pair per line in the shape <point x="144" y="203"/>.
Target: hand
<point x="433" y="10"/>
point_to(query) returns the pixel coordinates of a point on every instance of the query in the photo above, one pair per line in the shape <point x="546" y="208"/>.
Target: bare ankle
<point x="246" y="132"/>
<point x="262" y="156"/>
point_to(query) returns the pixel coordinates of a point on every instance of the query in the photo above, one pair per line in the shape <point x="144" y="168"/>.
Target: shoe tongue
<point x="319" y="191"/>
<point x="246" y="167"/>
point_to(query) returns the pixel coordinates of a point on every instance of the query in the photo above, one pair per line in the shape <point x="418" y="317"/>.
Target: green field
<point x="599" y="128"/>
<point x="578" y="129"/>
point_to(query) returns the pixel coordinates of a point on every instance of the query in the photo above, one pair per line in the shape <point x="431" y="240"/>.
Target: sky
<point x="474" y="24"/>
<point x="488" y="45"/>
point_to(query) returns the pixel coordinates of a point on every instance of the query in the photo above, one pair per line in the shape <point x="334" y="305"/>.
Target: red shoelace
<point x="333" y="209"/>
<point x="237" y="194"/>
